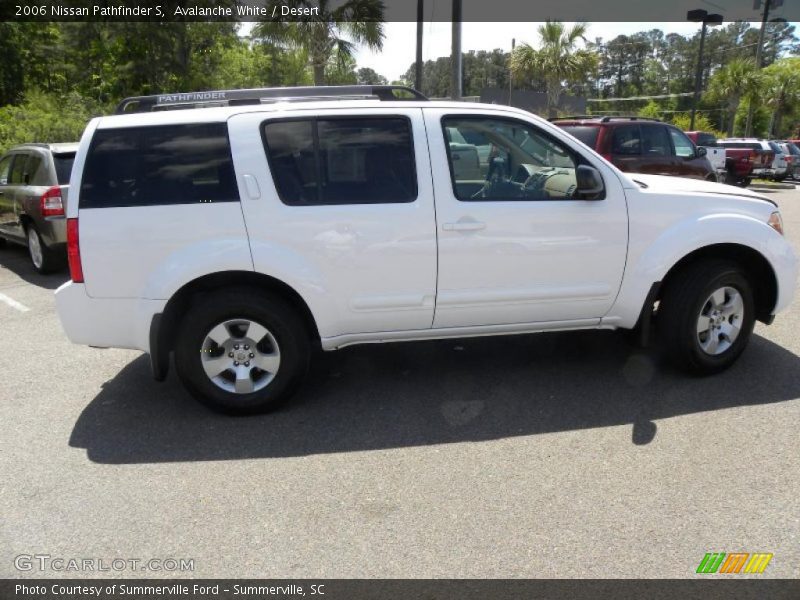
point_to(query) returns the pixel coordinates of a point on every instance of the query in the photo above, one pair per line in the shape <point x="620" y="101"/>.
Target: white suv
<point x="239" y="235"/>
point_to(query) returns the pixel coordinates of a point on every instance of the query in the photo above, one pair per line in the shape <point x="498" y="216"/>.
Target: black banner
<point x="387" y="10"/>
<point x="398" y="589"/>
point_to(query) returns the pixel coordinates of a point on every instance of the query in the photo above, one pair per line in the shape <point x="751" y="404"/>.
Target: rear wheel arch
<point x="164" y="326"/>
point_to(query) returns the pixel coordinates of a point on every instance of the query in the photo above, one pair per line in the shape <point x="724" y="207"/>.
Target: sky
<point x="399" y="46"/>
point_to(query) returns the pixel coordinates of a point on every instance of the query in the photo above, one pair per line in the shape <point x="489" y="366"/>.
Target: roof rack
<point x="140" y="104"/>
<point x="605" y="119"/>
<point x="633" y="118"/>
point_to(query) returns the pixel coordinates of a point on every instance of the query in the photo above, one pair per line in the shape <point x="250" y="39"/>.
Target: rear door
<point x="339" y="204"/>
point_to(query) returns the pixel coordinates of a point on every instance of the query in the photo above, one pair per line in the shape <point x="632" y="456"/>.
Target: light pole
<point x="700" y="15"/>
<point x="455" y="54"/>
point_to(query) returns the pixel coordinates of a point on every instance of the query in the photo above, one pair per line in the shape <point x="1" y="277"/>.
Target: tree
<point x="737" y="80"/>
<point x="367" y="76"/>
<point x="782" y="85"/>
<point x="559" y="61"/>
<point x="326" y="35"/>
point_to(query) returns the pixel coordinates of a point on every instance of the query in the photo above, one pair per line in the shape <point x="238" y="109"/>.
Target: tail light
<point x="74" y="251"/>
<point x="51" y="203"/>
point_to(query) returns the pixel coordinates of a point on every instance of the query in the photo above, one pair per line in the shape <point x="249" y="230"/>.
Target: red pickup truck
<point x="738" y="162"/>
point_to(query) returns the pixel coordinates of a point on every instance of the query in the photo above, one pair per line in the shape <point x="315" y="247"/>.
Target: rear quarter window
<point x="151" y="166"/>
<point x="586" y="134"/>
<point x="63" y="164"/>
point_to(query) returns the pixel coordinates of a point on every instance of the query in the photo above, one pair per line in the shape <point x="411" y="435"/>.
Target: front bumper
<point x="105" y="322"/>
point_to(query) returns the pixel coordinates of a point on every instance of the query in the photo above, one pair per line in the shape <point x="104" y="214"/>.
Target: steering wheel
<point x="534" y="185"/>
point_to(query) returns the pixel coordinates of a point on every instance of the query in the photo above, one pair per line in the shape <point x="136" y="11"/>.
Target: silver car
<point x="33" y="185"/>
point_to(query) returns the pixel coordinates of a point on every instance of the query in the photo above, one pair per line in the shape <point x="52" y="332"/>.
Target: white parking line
<point x="13" y="303"/>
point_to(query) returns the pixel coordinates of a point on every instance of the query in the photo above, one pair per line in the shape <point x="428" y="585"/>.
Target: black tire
<point x="50" y="260"/>
<point x="744" y="182"/>
<point x="270" y="311"/>
<point x="680" y="307"/>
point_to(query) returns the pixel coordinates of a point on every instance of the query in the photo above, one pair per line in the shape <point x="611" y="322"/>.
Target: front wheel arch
<point x="757" y="268"/>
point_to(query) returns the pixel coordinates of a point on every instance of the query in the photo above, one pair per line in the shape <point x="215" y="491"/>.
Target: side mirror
<point x="590" y="182"/>
<point x="701" y="151"/>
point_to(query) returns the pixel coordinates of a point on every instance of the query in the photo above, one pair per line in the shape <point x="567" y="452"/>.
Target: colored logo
<point x="735" y="562"/>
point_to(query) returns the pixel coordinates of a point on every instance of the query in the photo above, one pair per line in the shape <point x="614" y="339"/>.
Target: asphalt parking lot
<point x="555" y="455"/>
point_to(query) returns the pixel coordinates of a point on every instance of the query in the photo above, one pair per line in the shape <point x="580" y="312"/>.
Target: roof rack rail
<point x="631" y="118"/>
<point x="158" y="102"/>
<point x="574" y="117"/>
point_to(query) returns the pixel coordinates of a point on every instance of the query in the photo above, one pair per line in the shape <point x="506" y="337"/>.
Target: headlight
<point x="776" y="222"/>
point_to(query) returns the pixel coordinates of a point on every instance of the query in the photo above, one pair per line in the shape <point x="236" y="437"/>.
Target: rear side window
<point x="655" y="141"/>
<point x="626" y="140"/>
<point x="342" y="160"/>
<point x="63" y="164"/>
<point x="588" y="135"/>
<point x="149" y="166"/>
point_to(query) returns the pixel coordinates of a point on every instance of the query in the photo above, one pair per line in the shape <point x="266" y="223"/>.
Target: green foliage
<point x="46" y="117"/>
<point x="367" y="76"/>
<point x="334" y="32"/>
<point x="701" y="123"/>
<point x="651" y="110"/>
<point x="559" y="60"/>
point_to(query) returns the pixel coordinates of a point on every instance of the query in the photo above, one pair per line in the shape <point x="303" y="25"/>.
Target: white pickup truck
<point x="236" y="238"/>
<point x="714" y="153"/>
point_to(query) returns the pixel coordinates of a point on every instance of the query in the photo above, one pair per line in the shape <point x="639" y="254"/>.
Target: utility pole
<point x="748" y="129"/>
<point x="513" y="45"/>
<point x="455" y="54"/>
<point x="418" y="72"/>
<point x="707" y="19"/>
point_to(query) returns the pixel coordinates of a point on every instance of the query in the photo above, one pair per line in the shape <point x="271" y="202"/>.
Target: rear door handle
<point x="464" y="226"/>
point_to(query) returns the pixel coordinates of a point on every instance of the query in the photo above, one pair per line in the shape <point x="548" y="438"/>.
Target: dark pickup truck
<point x="739" y="162"/>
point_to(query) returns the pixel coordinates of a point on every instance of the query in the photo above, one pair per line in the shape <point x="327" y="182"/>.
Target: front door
<point x="516" y="243"/>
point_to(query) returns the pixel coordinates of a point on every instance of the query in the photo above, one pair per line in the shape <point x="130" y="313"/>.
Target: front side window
<point x="349" y="160"/>
<point x="5" y="168"/>
<point x="505" y="159"/>
<point x="683" y="145"/>
<point x="17" y="176"/>
<point x="147" y="166"/>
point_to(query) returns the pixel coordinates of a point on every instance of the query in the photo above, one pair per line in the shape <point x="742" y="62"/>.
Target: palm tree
<point x="330" y="32"/>
<point x="782" y="79"/>
<point x="558" y="62"/>
<point x="737" y="80"/>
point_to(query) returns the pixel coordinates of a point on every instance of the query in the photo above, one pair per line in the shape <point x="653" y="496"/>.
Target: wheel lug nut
<point x="236" y="346"/>
<point x="247" y="364"/>
<point x="246" y="347"/>
<point x="235" y="363"/>
<point x="252" y="355"/>
<point x="230" y="354"/>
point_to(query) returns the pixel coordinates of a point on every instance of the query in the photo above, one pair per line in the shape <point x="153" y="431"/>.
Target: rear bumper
<point x="105" y="322"/>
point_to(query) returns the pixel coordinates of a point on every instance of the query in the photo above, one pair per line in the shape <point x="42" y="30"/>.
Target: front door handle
<point x="464" y="226"/>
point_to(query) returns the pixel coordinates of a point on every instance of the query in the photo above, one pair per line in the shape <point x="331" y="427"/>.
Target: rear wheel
<point x="706" y="316"/>
<point x="242" y="351"/>
<point x="44" y="260"/>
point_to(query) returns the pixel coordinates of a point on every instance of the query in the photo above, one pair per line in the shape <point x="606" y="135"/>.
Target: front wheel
<point x="706" y="316"/>
<point x="242" y="351"/>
